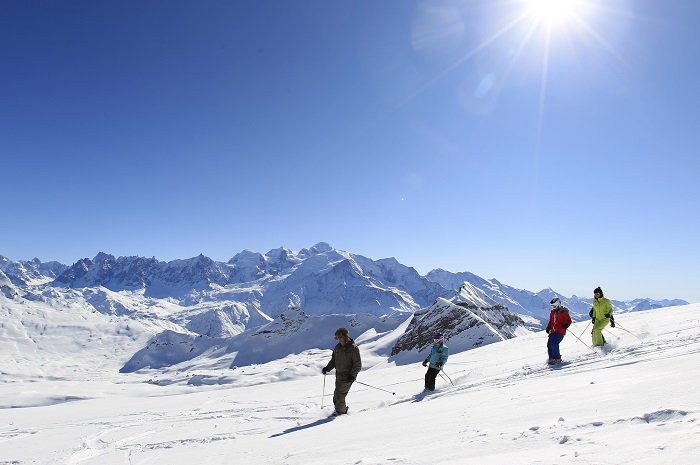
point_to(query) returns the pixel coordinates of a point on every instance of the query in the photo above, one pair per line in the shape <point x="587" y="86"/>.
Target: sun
<point x="553" y="11"/>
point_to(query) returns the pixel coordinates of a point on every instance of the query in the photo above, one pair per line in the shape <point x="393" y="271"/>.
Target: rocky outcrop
<point x="466" y="320"/>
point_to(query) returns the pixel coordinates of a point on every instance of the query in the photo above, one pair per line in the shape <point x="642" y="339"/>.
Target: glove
<point x="425" y="362"/>
<point x="352" y="377"/>
<point x="438" y="364"/>
<point x="593" y="320"/>
<point x="591" y="313"/>
<point x="324" y="370"/>
<point x="565" y="325"/>
<point x="607" y="315"/>
<point x="547" y="330"/>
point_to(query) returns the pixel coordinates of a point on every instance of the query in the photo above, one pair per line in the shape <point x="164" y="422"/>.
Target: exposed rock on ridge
<point x="465" y="321"/>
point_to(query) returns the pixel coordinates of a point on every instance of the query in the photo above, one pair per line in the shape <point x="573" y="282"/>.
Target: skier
<point x="436" y="359"/>
<point x="559" y="321"/>
<point x="347" y="363"/>
<point x="601" y="314"/>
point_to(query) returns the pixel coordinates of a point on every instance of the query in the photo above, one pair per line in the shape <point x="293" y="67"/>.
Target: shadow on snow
<point x="302" y="427"/>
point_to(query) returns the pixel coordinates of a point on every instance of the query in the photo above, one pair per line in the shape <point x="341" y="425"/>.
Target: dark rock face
<point x="464" y="324"/>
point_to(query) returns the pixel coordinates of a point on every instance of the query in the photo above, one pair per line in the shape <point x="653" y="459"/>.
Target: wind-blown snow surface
<point x="636" y="402"/>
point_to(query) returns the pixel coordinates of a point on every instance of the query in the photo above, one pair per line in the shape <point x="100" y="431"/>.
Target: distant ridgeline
<point x="198" y="299"/>
<point x="320" y="280"/>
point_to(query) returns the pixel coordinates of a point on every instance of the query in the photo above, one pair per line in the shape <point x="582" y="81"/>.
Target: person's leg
<point x="598" y="339"/>
<point x="556" y="338"/>
<point x="341" y="391"/>
<point x="549" y="346"/>
<point x="430" y="376"/>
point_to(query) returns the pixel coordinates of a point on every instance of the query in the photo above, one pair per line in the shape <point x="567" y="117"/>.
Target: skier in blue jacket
<point x="436" y="359"/>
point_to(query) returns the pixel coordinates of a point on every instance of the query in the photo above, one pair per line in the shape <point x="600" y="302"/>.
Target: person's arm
<point x="330" y="365"/>
<point x="356" y="363"/>
<point x="567" y="321"/>
<point x="608" y="313"/>
<point x="445" y="354"/>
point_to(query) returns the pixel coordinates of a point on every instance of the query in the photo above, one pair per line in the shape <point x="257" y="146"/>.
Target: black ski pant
<point x="430" y="376"/>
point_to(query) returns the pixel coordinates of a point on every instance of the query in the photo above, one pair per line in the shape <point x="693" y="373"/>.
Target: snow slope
<point x="636" y="402"/>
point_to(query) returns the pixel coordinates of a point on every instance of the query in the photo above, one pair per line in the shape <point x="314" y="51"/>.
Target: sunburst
<point x="530" y="31"/>
<point x="553" y="11"/>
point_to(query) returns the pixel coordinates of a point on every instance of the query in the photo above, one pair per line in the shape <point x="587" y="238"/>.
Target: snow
<point x="63" y="401"/>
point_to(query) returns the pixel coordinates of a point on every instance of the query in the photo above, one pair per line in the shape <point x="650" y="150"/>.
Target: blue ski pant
<point x="553" y="345"/>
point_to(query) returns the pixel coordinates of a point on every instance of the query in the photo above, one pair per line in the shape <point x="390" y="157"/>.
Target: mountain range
<point x="284" y="301"/>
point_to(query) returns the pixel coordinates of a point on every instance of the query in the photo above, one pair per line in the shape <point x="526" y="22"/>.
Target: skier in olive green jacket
<point x="347" y="363"/>
<point x="601" y="314"/>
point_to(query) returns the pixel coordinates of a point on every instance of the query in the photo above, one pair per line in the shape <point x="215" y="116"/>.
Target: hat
<point x="555" y="302"/>
<point x="439" y="336"/>
<point x="598" y="289"/>
<point x="342" y="332"/>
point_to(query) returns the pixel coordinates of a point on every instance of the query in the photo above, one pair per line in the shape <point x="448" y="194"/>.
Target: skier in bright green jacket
<point x="601" y="314"/>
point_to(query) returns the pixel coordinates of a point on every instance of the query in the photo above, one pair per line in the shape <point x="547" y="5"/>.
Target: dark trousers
<point x="430" y="376"/>
<point x="553" y="345"/>
<point x="342" y="388"/>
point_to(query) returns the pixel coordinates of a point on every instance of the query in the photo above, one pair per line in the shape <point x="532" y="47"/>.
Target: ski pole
<point x="448" y="376"/>
<point x="623" y="328"/>
<point x="324" y="390"/>
<point x="375" y="387"/>
<point x="574" y="334"/>
<point x="589" y="323"/>
<point x="618" y="337"/>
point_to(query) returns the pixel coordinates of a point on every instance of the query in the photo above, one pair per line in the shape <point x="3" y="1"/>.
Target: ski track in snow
<point x="250" y="419"/>
<point x="611" y="357"/>
<point x="175" y="428"/>
<point x="591" y="362"/>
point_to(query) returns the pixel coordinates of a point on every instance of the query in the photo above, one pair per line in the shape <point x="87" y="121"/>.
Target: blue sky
<point x="464" y="135"/>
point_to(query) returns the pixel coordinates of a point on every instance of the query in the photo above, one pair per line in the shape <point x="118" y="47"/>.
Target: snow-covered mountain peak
<point x="321" y="247"/>
<point x="280" y="260"/>
<point x="31" y="273"/>
<point x="247" y="266"/>
<point x="468" y="294"/>
<point x="103" y="256"/>
<point x="246" y="256"/>
<point x="76" y="271"/>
